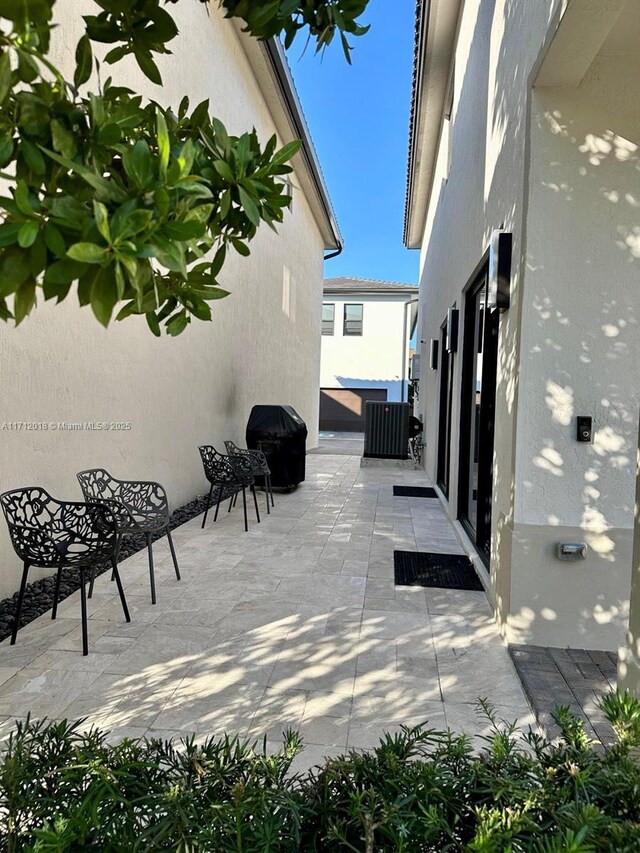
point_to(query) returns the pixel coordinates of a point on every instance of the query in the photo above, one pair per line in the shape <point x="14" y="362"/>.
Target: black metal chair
<point x="229" y="476"/>
<point x="51" y="534"/>
<point x="259" y="466"/>
<point x="139" y="507"/>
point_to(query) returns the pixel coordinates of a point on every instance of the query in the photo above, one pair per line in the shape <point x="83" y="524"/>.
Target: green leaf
<point x="21" y="195"/>
<point x="24" y="300"/>
<point x="184" y="230"/>
<point x="224" y="170"/>
<point x="138" y="164"/>
<point x="64" y="272"/>
<point x="6" y="149"/>
<point x="54" y="241"/>
<point x="218" y="261"/>
<point x="84" y="61"/>
<point x="32" y="157"/>
<point x="286" y="153"/>
<point x="104" y="296"/>
<point x="108" y="189"/>
<point x="27" y="234"/>
<point x="9" y="233"/>
<point x="102" y="220"/>
<point x="240" y="247"/>
<point x="63" y="140"/>
<point x="250" y="207"/>
<point x="148" y="67"/>
<point x="164" y="144"/>
<point x="178" y="323"/>
<point x="14" y="270"/>
<point x="5" y="75"/>
<point x="110" y="134"/>
<point x="132" y="224"/>
<point x="152" y="322"/>
<point x="87" y="253"/>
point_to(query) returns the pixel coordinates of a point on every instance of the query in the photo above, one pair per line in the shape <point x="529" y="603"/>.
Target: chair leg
<point x="113" y="576"/>
<point x="83" y="613"/>
<point x="266" y="494"/>
<point x="255" y="502"/>
<point x="231" y="501"/>
<point x="152" y="577"/>
<point x="244" y="507"/>
<point x="204" y="520"/>
<point x="16" y="618"/>
<point x="56" y="594"/>
<point x="173" y="554"/>
<point x="215" y="517"/>
<point x="270" y="489"/>
<point x="123" y="600"/>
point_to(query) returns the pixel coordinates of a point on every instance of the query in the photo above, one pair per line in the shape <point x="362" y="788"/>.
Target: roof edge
<point x="437" y="23"/>
<point x="278" y="60"/>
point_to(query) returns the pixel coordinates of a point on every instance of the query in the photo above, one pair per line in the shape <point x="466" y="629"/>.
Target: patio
<point x="294" y="624"/>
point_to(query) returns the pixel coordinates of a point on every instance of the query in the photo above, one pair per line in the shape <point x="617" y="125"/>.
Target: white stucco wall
<point x="568" y="344"/>
<point x="263" y="345"/>
<point x="377" y="358"/>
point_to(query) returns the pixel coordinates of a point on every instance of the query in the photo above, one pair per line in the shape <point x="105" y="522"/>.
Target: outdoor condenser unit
<point x="386" y="430"/>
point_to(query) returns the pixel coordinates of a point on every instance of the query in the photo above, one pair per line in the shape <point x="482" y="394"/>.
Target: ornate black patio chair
<point x="259" y="466"/>
<point x="139" y="507"/>
<point x="228" y="476"/>
<point x="51" y="534"/>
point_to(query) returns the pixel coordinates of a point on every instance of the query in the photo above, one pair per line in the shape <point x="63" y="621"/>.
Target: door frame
<point x="481" y="534"/>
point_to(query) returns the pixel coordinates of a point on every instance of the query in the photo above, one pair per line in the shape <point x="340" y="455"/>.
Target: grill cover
<point x="281" y="434"/>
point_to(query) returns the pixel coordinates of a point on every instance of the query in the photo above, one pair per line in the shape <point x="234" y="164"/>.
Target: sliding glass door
<point x="478" y="416"/>
<point x="444" y="415"/>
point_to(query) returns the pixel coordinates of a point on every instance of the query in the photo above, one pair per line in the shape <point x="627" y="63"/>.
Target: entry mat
<point x="447" y="571"/>
<point x="414" y="492"/>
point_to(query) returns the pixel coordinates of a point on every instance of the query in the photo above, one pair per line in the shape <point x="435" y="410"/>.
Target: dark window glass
<point x="328" y="318"/>
<point x="353" y="319"/>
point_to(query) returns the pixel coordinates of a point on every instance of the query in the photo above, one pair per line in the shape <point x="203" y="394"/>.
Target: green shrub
<point x="63" y="789"/>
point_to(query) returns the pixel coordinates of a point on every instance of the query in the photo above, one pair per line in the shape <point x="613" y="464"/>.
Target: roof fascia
<point x="436" y="38"/>
<point x="271" y="71"/>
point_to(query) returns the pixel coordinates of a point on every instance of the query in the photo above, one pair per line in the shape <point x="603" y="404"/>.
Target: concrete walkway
<point x="296" y="623"/>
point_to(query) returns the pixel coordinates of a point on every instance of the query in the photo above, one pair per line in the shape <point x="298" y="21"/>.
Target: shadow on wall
<point x="570" y="336"/>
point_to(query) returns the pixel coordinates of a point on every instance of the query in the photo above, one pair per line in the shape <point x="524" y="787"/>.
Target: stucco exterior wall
<point x="568" y="344"/>
<point x="263" y="345"/>
<point x="377" y="358"/>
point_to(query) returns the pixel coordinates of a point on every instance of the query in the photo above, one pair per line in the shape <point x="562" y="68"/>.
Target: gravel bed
<point x="38" y="596"/>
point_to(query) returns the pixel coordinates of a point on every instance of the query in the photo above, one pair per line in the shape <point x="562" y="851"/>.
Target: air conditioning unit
<point x="386" y="430"/>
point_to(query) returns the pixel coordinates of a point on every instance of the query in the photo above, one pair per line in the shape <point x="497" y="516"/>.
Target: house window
<point x="328" y="318"/>
<point x="352" y="320"/>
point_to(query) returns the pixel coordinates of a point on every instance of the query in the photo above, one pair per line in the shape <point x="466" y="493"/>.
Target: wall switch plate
<point x="585" y="428"/>
<point x="571" y="551"/>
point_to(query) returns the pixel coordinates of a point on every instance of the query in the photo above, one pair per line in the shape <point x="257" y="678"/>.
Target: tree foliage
<point x="131" y="204"/>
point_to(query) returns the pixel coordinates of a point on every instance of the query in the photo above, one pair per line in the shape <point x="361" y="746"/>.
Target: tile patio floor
<point x="296" y="623"/>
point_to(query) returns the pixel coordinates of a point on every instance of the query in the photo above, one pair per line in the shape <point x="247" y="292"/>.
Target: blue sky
<point x="359" y="117"/>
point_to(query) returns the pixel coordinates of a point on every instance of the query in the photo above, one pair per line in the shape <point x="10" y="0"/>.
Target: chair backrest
<point x="43" y="529"/>
<point x="217" y="467"/>
<point x="98" y="484"/>
<point x="244" y="467"/>
<point x="259" y="463"/>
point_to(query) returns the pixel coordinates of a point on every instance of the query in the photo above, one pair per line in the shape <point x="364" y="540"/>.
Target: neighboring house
<point x="524" y="119"/>
<point x="366" y="329"/>
<point x="263" y="345"/>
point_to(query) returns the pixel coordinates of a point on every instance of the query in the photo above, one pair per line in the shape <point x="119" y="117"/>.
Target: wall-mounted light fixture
<point x="499" y="295"/>
<point x="451" y="343"/>
<point x="433" y="354"/>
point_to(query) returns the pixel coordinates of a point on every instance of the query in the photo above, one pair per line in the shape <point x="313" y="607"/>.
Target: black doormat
<point x="447" y="571"/>
<point x="414" y="492"/>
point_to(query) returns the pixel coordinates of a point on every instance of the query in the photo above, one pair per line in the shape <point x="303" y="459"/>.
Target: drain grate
<point x="447" y="571"/>
<point x="414" y="492"/>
